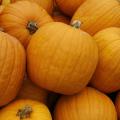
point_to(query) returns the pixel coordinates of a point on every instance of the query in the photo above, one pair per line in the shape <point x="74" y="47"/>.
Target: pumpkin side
<point x="89" y="104"/>
<point x="12" y="67"/>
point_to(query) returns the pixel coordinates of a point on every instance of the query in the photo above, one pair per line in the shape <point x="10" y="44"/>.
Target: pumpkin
<point x="31" y="17"/>
<point x="117" y="104"/>
<point x="96" y="15"/>
<point x="12" y="67"/>
<point x="60" y="58"/>
<point x="69" y="6"/>
<point x="30" y="91"/>
<point x="59" y="17"/>
<point x="107" y="75"/>
<point x="89" y="104"/>
<point x="46" y="4"/>
<point x="25" y="110"/>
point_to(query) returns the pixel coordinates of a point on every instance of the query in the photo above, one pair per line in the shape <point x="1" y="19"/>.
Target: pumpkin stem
<point x="24" y="113"/>
<point x="76" y="24"/>
<point x="32" y="27"/>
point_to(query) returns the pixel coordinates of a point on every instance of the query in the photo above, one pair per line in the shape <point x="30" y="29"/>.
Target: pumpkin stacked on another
<point x="61" y="58"/>
<point x="89" y="104"/>
<point x="96" y="15"/>
<point x="30" y="91"/>
<point x="25" y="110"/>
<point x="117" y="104"/>
<point x="107" y="75"/>
<point x="22" y="19"/>
<point x="69" y="6"/>
<point x="12" y="67"/>
<point x="46" y="4"/>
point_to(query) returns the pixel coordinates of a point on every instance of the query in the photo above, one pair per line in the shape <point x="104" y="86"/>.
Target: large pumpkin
<point x="25" y="110"/>
<point x="30" y="91"/>
<point x="12" y="67"/>
<point x="89" y="104"/>
<point x="117" y="104"/>
<point x="22" y="19"/>
<point x="61" y="58"/>
<point x="69" y="6"/>
<point x="96" y="15"/>
<point x="107" y="74"/>
<point x="46" y="4"/>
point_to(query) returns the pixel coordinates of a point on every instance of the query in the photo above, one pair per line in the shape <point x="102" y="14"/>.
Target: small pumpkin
<point x="30" y="91"/>
<point x="59" y="17"/>
<point x="69" y="6"/>
<point x="96" y="15"/>
<point x="25" y="15"/>
<point x="60" y="58"/>
<point x="107" y="75"/>
<point x="89" y="104"/>
<point x="46" y="4"/>
<point x="25" y="110"/>
<point x="12" y="67"/>
<point x="117" y="104"/>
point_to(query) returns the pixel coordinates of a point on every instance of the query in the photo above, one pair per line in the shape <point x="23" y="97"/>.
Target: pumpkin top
<point x="24" y="109"/>
<point x="22" y="19"/>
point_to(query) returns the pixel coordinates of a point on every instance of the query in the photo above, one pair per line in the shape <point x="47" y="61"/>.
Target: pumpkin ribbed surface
<point x="12" y="67"/>
<point x="89" y="104"/>
<point x="22" y="19"/>
<point x="96" y="15"/>
<point x="107" y="75"/>
<point x="61" y="58"/>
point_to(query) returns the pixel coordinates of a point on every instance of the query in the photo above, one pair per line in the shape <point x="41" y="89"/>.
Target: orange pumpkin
<point x="107" y="75"/>
<point x="117" y="104"/>
<point x="96" y="15"/>
<point x="60" y="58"/>
<point x="25" y="24"/>
<point x="31" y="91"/>
<point x="12" y="67"/>
<point x="69" y="6"/>
<point x="25" y="110"/>
<point x="89" y="104"/>
<point x="59" y="17"/>
<point x="46" y="4"/>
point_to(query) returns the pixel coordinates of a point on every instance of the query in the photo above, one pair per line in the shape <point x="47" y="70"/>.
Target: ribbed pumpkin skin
<point x="39" y="111"/>
<point x="10" y="20"/>
<point x="117" y="104"/>
<point x="69" y="6"/>
<point x="90" y="104"/>
<point x="46" y="4"/>
<point x="12" y="67"/>
<point x="107" y="75"/>
<point x="61" y="58"/>
<point x="96" y="15"/>
<point x="30" y="91"/>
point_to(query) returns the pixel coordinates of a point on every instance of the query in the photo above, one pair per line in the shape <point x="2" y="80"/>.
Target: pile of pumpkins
<point x="60" y="60"/>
